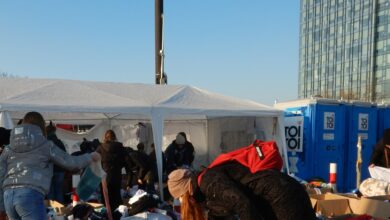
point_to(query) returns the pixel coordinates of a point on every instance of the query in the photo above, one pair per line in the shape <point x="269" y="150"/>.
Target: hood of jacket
<point x="25" y="138"/>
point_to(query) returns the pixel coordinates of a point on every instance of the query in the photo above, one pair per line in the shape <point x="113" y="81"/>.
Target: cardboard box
<point x="95" y="205"/>
<point x="339" y="205"/>
<point x="58" y="207"/>
<point x="316" y="190"/>
<point x="376" y="206"/>
<point x="330" y="204"/>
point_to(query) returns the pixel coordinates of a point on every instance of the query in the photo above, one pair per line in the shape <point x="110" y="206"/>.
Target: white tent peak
<point x="208" y="100"/>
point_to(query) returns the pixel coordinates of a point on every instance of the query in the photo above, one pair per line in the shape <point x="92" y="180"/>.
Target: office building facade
<point x="345" y="49"/>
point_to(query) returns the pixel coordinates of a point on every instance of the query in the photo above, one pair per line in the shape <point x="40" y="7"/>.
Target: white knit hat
<point x="180" y="139"/>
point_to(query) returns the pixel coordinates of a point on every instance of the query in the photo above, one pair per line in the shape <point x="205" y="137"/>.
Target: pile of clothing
<point x="378" y="184"/>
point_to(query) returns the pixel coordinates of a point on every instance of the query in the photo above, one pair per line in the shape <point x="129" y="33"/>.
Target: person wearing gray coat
<point x="26" y="169"/>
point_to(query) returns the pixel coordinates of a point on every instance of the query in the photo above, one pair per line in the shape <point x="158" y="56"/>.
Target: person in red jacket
<point x="228" y="188"/>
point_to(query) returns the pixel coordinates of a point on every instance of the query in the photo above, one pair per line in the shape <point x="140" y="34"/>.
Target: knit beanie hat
<point x="181" y="181"/>
<point x="180" y="139"/>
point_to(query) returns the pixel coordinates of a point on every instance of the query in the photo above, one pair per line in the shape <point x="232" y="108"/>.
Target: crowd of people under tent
<point x="35" y="166"/>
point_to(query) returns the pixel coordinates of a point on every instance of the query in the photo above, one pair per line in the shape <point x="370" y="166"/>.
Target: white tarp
<point x="6" y="120"/>
<point x="164" y="106"/>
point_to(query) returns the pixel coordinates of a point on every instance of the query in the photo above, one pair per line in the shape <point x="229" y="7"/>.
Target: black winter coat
<point x="153" y="162"/>
<point x="113" y="160"/>
<point x="138" y="165"/>
<point x="231" y="189"/>
<point x="378" y="156"/>
<point x="178" y="156"/>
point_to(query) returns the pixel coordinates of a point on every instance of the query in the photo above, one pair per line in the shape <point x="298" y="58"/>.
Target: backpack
<point x="257" y="157"/>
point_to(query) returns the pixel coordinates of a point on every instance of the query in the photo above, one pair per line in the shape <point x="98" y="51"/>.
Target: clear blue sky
<point x="246" y="49"/>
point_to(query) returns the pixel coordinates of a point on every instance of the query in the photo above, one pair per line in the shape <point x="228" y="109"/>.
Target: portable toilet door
<point x="297" y="122"/>
<point x="328" y="132"/>
<point x="320" y="143"/>
<point x="383" y="120"/>
<point x="362" y="121"/>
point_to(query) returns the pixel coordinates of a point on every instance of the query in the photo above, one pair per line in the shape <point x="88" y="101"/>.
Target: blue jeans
<point x="57" y="183"/>
<point x="24" y="204"/>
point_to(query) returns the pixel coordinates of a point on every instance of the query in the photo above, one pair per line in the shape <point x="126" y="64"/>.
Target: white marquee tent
<point x="213" y="123"/>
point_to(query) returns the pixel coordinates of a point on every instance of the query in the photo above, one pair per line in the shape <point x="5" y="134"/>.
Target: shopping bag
<point x="90" y="180"/>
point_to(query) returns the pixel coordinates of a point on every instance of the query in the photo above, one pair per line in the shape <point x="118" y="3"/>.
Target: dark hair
<point x="89" y="146"/>
<point x="109" y="136"/>
<point x="35" y="118"/>
<point x="82" y="211"/>
<point x="140" y="147"/>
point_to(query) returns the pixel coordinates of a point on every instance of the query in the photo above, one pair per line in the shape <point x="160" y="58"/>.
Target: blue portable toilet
<point x="298" y="140"/>
<point x="362" y="121"/>
<point x="323" y="137"/>
<point x="383" y="120"/>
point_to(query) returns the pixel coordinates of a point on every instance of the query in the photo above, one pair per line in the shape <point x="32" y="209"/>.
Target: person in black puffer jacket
<point x="231" y="189"/>
<point x="113" y="160"/>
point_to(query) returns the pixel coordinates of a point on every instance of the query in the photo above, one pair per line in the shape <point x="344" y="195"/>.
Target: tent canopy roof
<point x="72" y="99"/>
<point x="85" y="100"/>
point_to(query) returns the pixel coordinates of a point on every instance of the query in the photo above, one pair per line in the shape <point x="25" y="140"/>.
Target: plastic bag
<point x="380" y="173"/>
<point x="374" y="187"/>
<point x="90" y="180"/>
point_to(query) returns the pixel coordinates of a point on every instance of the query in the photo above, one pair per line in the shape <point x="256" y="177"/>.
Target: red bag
<point x="258" y="156"/>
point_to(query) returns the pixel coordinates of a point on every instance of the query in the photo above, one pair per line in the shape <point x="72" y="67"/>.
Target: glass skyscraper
<point x="345" y="49"/>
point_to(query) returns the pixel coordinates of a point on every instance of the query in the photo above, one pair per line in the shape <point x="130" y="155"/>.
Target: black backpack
<point x="143" y="204"/>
